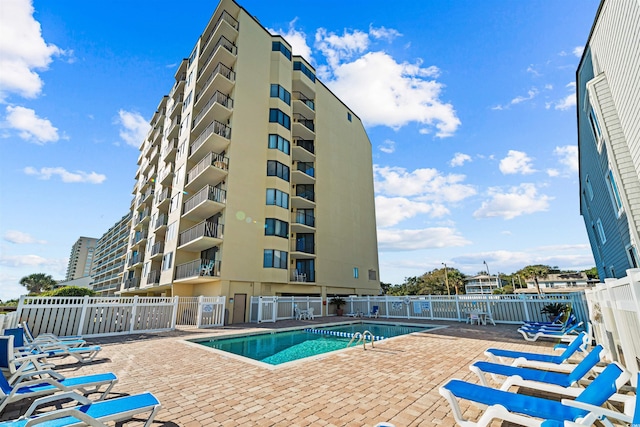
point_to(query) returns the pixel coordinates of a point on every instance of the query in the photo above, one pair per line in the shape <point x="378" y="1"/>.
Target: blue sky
<point x="469" y="106"/>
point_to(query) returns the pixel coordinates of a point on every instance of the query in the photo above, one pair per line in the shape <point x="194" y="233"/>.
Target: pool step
<point x="340" y="334"/>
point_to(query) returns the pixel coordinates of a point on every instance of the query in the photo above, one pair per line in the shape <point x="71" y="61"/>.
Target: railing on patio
<point x="273" y="308"/>
<point x="615" y="317"/>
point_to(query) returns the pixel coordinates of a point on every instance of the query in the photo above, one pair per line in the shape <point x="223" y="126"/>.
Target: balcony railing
<point x="141" y="216"/>
<point x="198" y="268"/>
<point x="222" y="42"/>
<point x="162" y="196"/>
<point x="220" y="69"/>
<point x="303" y="218"/>
<point x="171" y="145"/>
<point x="299" y="118"/>
<point x="131" y="283"/>
<point x="211" y="159"/>
<point x="217" y="97"/>
<point x="153" y="278"/>
<point x="226" y="16"/>
<point x="303" y="245"/>
<point x="133" y="260"/>
<point x="215" y="127"/>
<point x="306" y="144"/>
<point x="204" y="229"/>
<point x="157" y="248"/>
<point x="214" y="194"/>
<point x="162" y="220"/>
<point x="307" y="101"/>
<point x="305" y="194"/>
<point x="140" y="235"/>
<point x="306" y="167"/>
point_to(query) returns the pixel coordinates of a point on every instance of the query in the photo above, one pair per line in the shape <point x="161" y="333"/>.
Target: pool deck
<point x="396" y="382"/>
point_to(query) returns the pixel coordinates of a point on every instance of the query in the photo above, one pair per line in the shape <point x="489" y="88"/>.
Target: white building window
<point x="614" y="193"/>
<point x="166" y="261"/>
<point x="600" y="230"/>
<point x="171" y="231"/>
<point x="632" y="254"/>
<point x="589" y="188"/>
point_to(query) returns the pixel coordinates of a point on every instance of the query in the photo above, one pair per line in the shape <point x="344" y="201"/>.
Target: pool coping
<point x="194" y="342"/>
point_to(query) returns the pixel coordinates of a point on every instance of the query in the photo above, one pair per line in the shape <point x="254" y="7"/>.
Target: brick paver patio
<point x="397" y="382"/>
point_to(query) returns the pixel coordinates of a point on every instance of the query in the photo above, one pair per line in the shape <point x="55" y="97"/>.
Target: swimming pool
<point x="281" y="347"/>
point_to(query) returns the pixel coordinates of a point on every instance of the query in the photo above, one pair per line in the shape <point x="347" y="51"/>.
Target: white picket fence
<point x="615" y="317"/>
<point x="8" y="321"/>
<point x="104" y="316"/>
<point x="508" y="308"/>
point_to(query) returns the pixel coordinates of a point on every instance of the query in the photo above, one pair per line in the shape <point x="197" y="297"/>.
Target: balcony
<point x="155" y="138"/>
<point x="303" y="127"/>
<point x="303" y="248"/>
<point x="157" y="250"/>
<point x="153" y="278"/>
<point x="303" y="150"/>
<point x="162" y="199"/>
<point x="139" y="238"/>
<point x="222" y="78"/>
<point x="303" y="173"/>
<point x="218" y="107"/>
<point x="169" y="151"/>
<point x="226" y="26"/>
<point x="140" y="219"/>
<point x="198" y="271"/>
<point x="302" y="222"/>
<point x="166" y="176"/>
<point x="223" y="51"/>
<point x="200" y="237"/>
<point x="215" y="138"/>
<point x="173" y="127"/>
<point x="303" y="105"/>
<point x="308" y="276"/>
<point x="134" y="261"/>
<point x="146" y="197"/>
<point x="161" y="222"/>
<point x="210" y="170"/>
<point x="304" y="197"/>
<point x="205" y="203"/>
<point x="132" y="283"/>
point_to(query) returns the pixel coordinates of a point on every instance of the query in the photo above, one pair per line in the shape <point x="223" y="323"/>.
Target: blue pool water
<point x="281" y="347"/>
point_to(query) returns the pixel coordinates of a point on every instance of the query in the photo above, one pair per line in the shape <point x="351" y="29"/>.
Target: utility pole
<point x="446" y="278"/>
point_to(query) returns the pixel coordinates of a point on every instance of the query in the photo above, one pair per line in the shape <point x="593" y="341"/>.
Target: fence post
<point x="174" y="320"/>
<point x="259" y="318"/>
<point x="199" y="312"/>
<point x="488" y="308"/>
<point x="83" y="314"/>
<point x="134" y="310"/>
<point x="19" y="309"/>
<point x="526" y="308"/>
<point x="458" y="308"/>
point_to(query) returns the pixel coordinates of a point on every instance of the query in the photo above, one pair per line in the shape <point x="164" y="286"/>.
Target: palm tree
<point x="38" y="282"/>
<point x="535" y="272"/>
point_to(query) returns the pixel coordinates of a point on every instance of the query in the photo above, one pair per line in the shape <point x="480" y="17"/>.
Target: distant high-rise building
<point x="81" y="258"/>
<point x="255" y="179"/>
<point x="109" y="257"/>
<point x="608" y="104"/>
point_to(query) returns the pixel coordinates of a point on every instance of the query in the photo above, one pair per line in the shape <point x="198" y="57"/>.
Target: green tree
<point x="385" y="288"/>
<point x="535" y="272"/>
<point x="592" y="273"/>
<point x="38" y="282"/>
<point x="69" y="291"/>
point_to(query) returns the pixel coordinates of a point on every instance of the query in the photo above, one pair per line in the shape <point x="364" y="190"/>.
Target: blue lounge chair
<point x="374" y="311"/>
<point x="81" y="354"/>
<point x="14" y="366"/>
<point x="565" y="335"/>
<point x="50" y="382"/>
<point x="529" y="410"/>
<point x="519" y="358"/>
<point x="88" y="412"/>
<point x="70" y="341"/>
<point x="554" y="382"/>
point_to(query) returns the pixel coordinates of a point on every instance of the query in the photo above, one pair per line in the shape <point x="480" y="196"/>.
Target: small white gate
<point x="210" y="311"/>
<point x="263" y="309"/>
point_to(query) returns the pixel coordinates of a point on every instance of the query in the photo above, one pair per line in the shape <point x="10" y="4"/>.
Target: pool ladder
<point x="362" y="337"/>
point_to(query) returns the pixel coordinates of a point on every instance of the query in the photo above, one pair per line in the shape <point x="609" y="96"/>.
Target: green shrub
<point x="69" y="291"/>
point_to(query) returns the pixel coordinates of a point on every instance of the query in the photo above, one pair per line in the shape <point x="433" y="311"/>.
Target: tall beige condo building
<point x="254" y="180"/>
<point x="81" y="258"/>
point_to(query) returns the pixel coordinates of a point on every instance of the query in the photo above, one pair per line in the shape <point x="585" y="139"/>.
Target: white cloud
<point x="388" y="146"/>
<point x="30" y="261"/>
<point x="566" y="102"/>
<point x="22" y="50"/>
<point x="516" y="162"/>
<point x="30" y="127"/>
<point x="66" y="176"/>
<point x="134" y="127"/>
<point x="18" y="237"/>
<point x="428" y="238"/>
<point x="533" y="71"/>
<point x="297" y="40"/>
<point x="392" y="210"/>
<point x="381" y="90"/>
<point x="577" y="51"/>
<point x="426" y="184"/>
<point x="568" y="157"/>
<point x="459" y="159"/>
<point x="517" y="201"/>
<point x="553" y="172"/>
<point x="531" y="93"/>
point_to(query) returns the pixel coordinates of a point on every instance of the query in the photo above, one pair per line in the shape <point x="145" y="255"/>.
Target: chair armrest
<point x="598" y="410"/>
<point x="22" y="379"/>
<point x="60" y="396"/>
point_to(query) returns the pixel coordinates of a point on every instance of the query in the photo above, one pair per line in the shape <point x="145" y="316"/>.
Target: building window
<point x="349" y="116"/>
<point x="589" y="188"/>
<point x="277" y="116"/>
<point x="632" y="254"/>
<point x="275" y="227"/>
<point x="278" y="198"/>
<point x="171" y="231"/>
<point x="175" y="203"/>
<point x="600" y="230"/>
<point x="166" y="261"/>
<point x="278" y="91"/>
<point x="355" y="272"/>
<point x="373" y="275"/>
<point x="187" y="101"/>
<point x="279" y="143"/>
<point x="613" y="192"/>
<point x="595" y="128"/>
<point x="280" y="47"/>
<point x="275" y="168"/>
<point x="274" y="259"/>
<point x="299" y="66"/>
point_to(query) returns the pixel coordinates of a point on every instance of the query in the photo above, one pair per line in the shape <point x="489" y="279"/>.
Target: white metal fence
<point x="8" y="321"/>
<point x="102" y="316"/>
<point x="514" y="308"/>
<point x="615" y="317"/>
